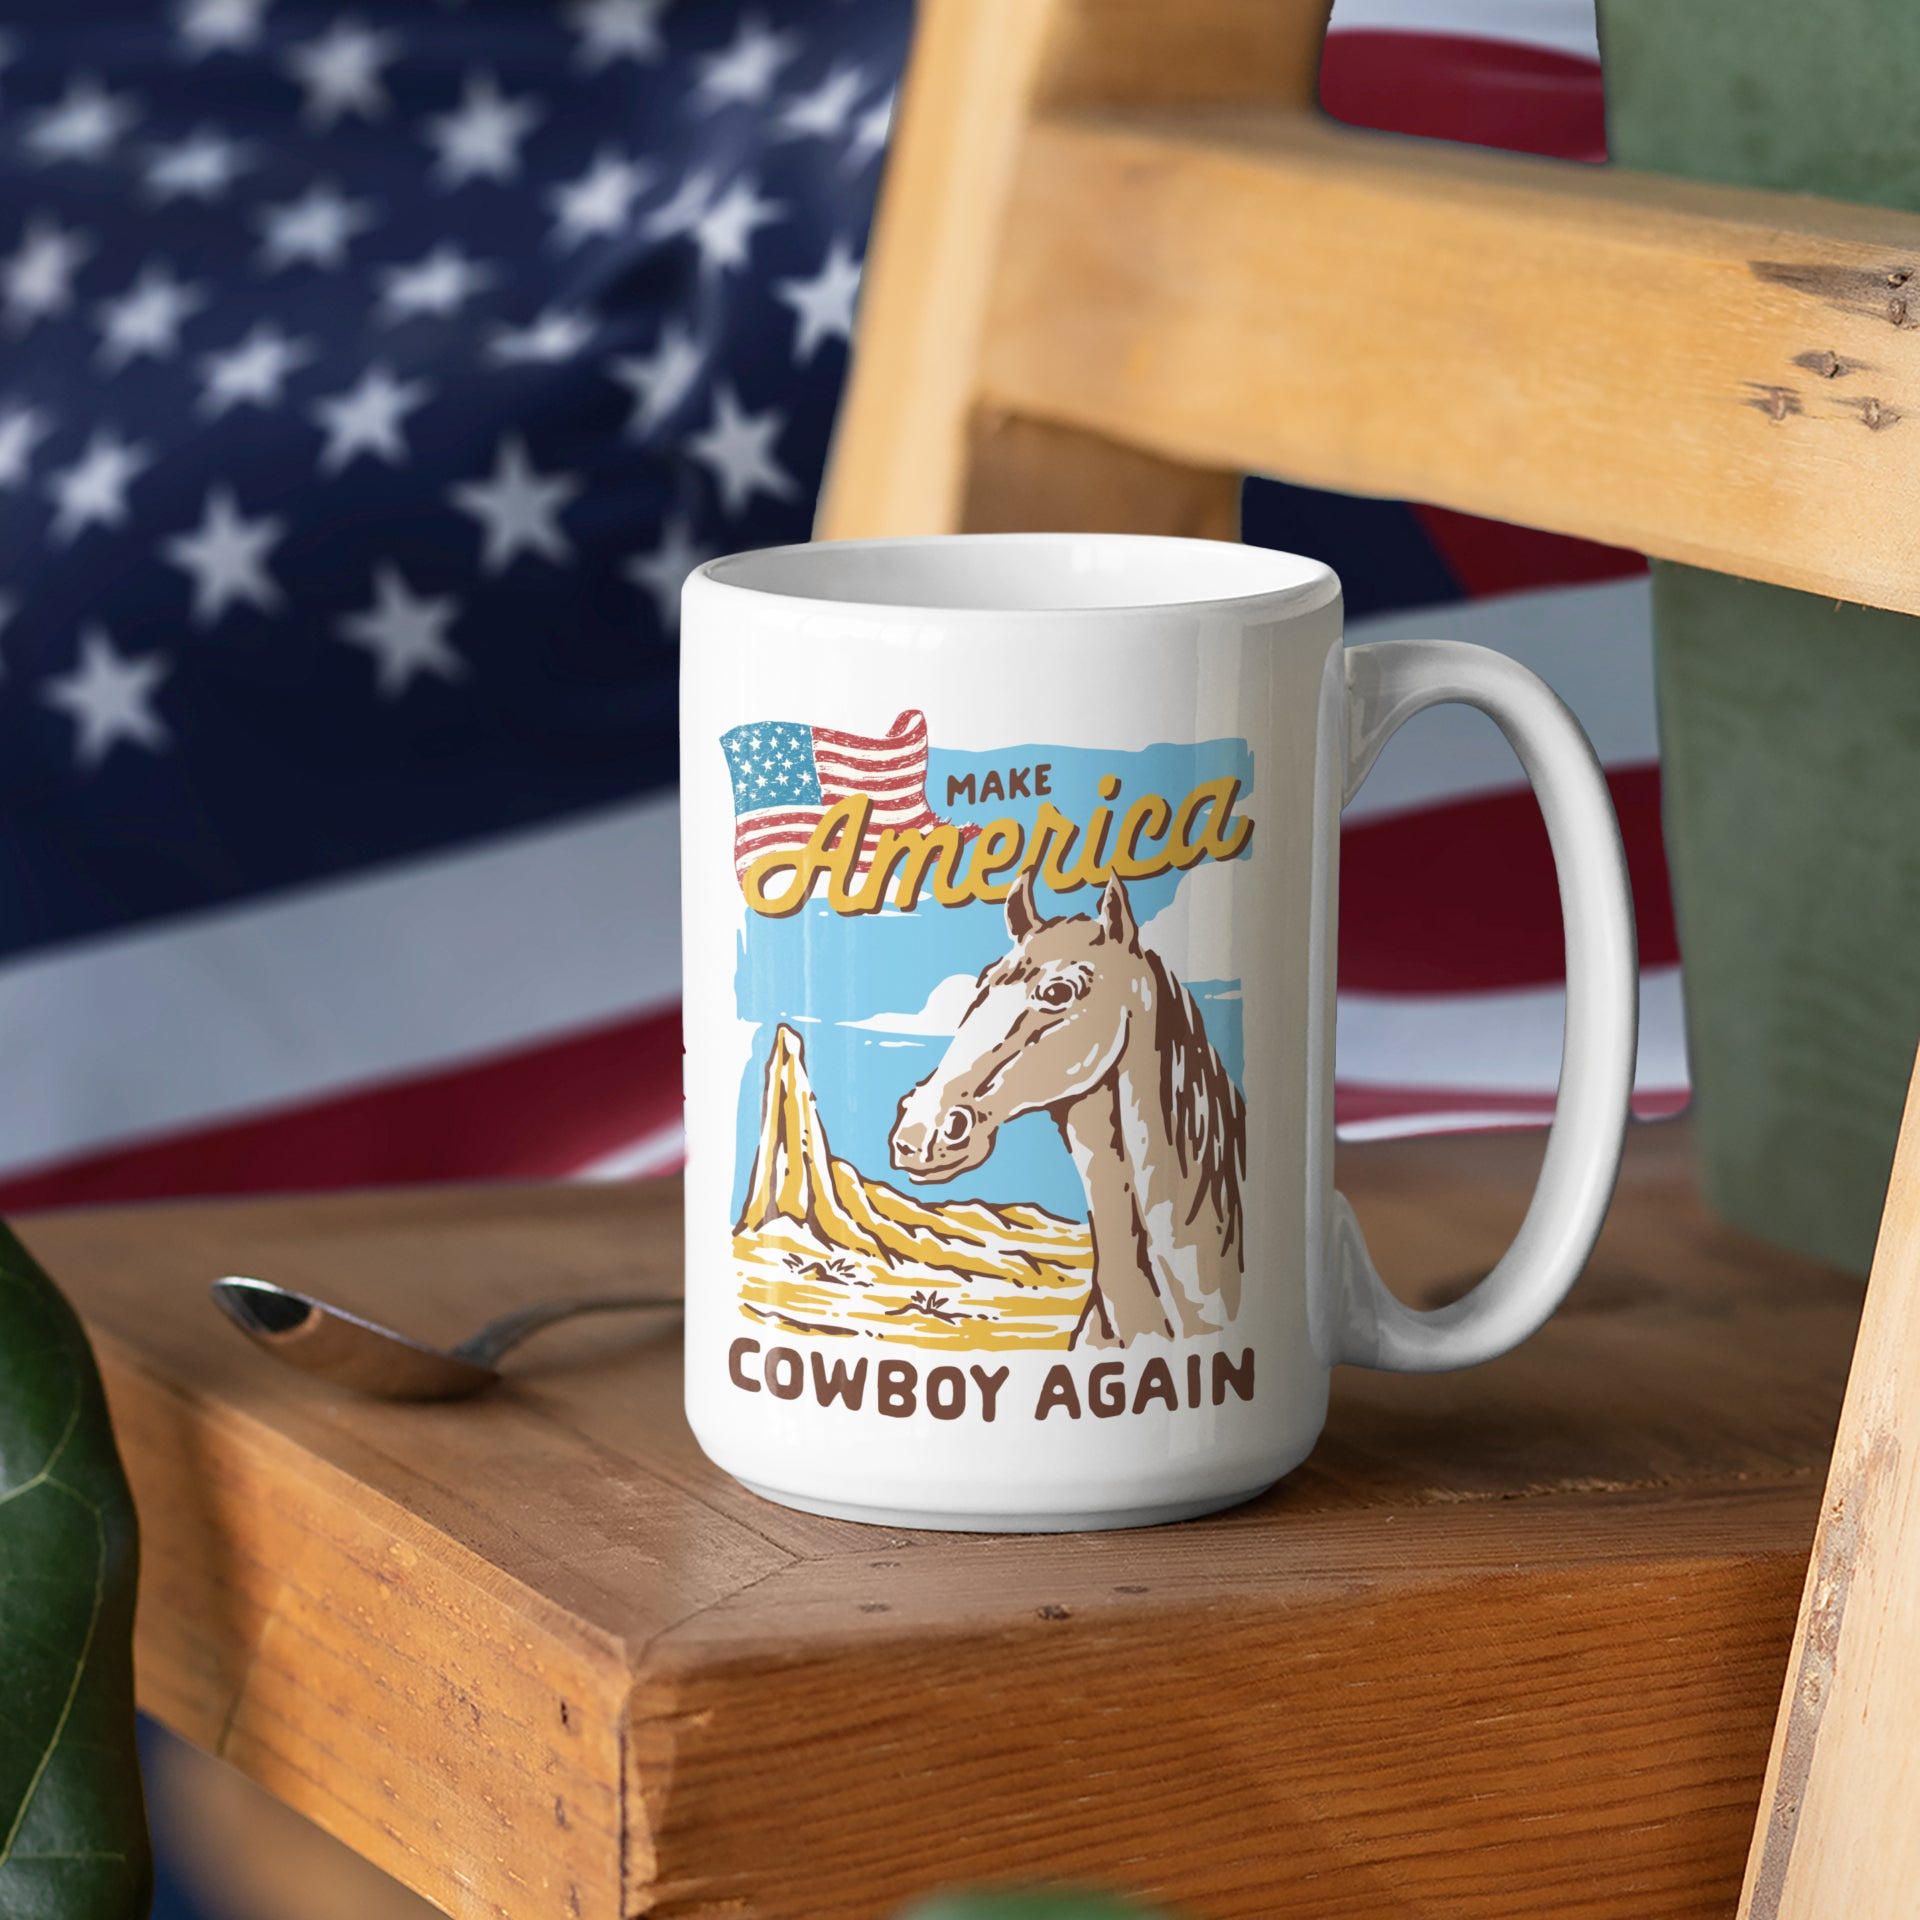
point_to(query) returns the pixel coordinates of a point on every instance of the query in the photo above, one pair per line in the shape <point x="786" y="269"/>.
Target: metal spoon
<point x="361" y="1354"/>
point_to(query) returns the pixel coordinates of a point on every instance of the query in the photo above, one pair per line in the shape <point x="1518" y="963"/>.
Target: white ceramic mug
<point x="1010" y="885"/>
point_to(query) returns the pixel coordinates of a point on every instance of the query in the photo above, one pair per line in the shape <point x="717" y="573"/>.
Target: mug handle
<point x="1388" y="682"/>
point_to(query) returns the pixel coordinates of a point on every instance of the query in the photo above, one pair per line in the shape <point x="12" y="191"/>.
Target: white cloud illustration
<point x="941" y="1015"/>
<point x="1193" y="932"/>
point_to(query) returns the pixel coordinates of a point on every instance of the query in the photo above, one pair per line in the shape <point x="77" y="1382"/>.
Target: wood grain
<point x="1709" y="374"/>
<point x="1836" y="1833"/>
<point x="1508" y="1643"/>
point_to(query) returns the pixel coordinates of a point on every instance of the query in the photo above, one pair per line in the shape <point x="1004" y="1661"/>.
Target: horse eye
<point x="1057" y="993"/>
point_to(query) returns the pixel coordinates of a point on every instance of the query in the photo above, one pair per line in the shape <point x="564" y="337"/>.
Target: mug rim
<point x="1313" y="583"/>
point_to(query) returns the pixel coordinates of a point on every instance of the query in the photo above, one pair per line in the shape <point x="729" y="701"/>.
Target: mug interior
<point x="1024" y="572"/>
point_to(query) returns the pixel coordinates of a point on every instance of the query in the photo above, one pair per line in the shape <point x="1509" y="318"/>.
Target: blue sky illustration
<point x="824" y="973"/>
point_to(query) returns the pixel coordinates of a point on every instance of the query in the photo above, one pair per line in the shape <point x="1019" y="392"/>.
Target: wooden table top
<point x="1510" y="1642"/>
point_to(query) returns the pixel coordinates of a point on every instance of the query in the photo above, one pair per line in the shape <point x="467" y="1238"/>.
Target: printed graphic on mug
<point x="983" y="1107"/>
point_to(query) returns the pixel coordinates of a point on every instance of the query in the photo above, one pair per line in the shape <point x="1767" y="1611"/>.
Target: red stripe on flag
<point x="1462" y="897"/>
<point x="1489" y="556"/>
<point x="536" y="1113"/>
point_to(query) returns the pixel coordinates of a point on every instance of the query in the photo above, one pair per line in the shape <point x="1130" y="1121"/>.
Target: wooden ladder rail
<point x="1122" y="259"/>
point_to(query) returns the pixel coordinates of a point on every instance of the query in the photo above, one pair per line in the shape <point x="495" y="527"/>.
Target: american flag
<point x="370" y="376"/>
<point x="786" y="774"/>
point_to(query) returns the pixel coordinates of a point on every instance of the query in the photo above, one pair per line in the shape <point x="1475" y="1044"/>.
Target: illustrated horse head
<point x="1046" y="1024"/>
<point x="1083" y="1023"/>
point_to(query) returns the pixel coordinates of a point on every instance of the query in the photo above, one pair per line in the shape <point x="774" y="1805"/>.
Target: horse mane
<point x="1206" y="1118"/>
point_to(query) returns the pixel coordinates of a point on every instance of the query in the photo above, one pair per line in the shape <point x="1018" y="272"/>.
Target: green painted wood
<point x="1790" y="728"/>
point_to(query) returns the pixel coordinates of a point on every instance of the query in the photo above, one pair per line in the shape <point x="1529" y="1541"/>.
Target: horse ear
<point x="1022" y="915"/>
<point x="1116" y="914"/>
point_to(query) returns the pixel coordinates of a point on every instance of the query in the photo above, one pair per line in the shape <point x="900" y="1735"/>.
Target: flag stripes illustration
<point x="786" y="775"/>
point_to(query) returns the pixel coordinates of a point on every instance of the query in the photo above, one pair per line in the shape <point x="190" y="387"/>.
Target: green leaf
<point x="73" y="1827"/>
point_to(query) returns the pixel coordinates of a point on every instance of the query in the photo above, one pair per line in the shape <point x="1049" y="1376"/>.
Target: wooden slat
<point x="1836" y="1833"/>
<point x="900" y="454"/>
<point x="1715" y="375"/>
<point x="1509" y="1643"/>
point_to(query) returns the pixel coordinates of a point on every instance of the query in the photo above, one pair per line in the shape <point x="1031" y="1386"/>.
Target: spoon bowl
<point x="349" y="1350"/>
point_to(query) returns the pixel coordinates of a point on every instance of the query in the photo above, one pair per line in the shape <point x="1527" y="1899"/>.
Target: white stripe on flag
<point x="1498" y="1043"/>
<point x="1561" y="26"/>
<point x="422" y="965"/>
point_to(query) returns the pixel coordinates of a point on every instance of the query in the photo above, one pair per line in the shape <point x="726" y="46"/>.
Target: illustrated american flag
<point x="372" y="372"/>
<point x="787" y="774"/>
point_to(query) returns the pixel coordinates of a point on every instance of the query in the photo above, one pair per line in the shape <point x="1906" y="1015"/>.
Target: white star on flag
<point x="724" y="233"/>
<point x="518" y="509"/>
<point x="341" y="71"/>
<point x="253" y="373"/>
<point x="547" y="339"/>
<point x="368" y="418"/>
<point x="218" y="26"/>
<point x="22" y="428"/>
<point x="226" y="556"/>
<point x="871" y="132"/>
<point x="824" y="112"/>
<point x="36" y="279"/>
<point x="203" y="165"/>
<point x="315" y="230"/>
<point x="86" y="124"/>
<point x="109" y="698"/>
<point x="480" y="139"/>
<point x="737" y="449"/>
<point x="663" y="572"/>
<point x="93" y="491"/>
<point x="745" y="70"/>
<point x="613" y="30"/>
<point x="147" y="318"/>
<point x="406" y="633"/>
<point x="438" y="285"/>
<point x="661" y="380"/>
<point x="599" y="201"/>
<point x="681" y="212"/>
<point x="823" y="306"/>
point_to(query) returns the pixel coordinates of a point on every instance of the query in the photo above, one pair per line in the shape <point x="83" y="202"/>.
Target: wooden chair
<point x="1121" y="260"/>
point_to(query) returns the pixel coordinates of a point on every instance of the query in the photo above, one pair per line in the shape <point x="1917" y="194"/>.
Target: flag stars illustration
<point x="85" y="125"/>
<point x="661" y="380"/>
<point x="368" y="418"/>
<point x="406" y="633"/>
<point x="253" y="373"/>
<point x="145" y="321"/>
<point x="744" y="71"/>
<point x="663" y="572"/>
<point x="92" y="492"/>
<point x="437" y="286"/>
<point x="822" y="306"/>
<point x="109" y="698"/>
<point x="682" y="210"/>
<point x="736" y="447"/>
<point x="22" y="429"/>
<point x="546" y="340"/>
<point x="611" y="30"/>
<point x="871" y="132"/>
<point x="315" y="230"/>
<point x="482" y="137"/>
<point x="218" y="26"/>
<point x="823" y="113"/>
<point x="342" y="72"/>
<point x="724" y="233"/>
<point x="36" y="279"/>
<point x="518" y="509"/>
<point x="202" y="165"/>
<point x="226" y="558"/>
<point x="600" y="201"/>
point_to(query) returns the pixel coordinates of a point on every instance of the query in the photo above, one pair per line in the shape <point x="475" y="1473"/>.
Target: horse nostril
<point x="955" y="1128"/>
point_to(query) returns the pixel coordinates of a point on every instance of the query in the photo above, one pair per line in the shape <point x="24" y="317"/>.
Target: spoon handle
<point x="500" y="1335"/>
